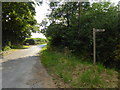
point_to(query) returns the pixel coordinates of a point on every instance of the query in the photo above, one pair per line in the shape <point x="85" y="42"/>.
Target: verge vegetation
<point x="26" y="43"/>
<point x="33" y="41"/>
<point x="9" y="49"/>
<point x="71" y="71"/>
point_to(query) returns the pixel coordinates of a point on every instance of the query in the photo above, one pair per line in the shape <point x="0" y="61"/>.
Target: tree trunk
<point x="79" y="6"/>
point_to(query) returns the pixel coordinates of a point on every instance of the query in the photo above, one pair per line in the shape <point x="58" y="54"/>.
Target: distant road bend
<point x="23" y="69"/>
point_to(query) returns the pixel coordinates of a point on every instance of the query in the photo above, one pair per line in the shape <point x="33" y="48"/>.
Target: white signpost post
<point x="94" y="43"/>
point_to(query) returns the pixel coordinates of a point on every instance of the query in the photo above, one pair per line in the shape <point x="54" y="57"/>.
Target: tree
<point x="18" y="22"/>
<point x="64" y="31"/>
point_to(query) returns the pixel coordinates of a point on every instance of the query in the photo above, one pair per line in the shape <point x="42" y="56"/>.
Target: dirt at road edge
<point x="41" y="77"/>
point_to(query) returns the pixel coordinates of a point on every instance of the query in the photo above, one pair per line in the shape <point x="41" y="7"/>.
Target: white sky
<point x="41" y="12"/>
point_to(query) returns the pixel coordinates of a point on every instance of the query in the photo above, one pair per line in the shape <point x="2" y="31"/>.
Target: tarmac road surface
<point x="23" y="69"/>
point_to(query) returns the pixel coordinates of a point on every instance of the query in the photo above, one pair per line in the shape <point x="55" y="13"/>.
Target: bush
<point x="80" y="41"/>
<point x="6" y="48"/>
<point x="33" y="41"/>
<point x="30" y="41"/>
<point x="16" y="46"/>
<point x="40" y="40"/>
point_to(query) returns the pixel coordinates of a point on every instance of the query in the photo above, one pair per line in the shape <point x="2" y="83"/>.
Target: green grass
<point x="87" y="79"/>
<point x="7" y="49"/>
<point x="20" y="46"/>
<point x="68" y="70"/>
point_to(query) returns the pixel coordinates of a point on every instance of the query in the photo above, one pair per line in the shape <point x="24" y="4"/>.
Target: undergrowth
<point x="70" y="71"/>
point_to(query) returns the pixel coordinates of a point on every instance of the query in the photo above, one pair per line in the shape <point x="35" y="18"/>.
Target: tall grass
<point x="75" y="72"/>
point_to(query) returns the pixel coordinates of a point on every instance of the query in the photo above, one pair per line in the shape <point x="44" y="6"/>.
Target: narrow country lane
<point x="23" y="69"/>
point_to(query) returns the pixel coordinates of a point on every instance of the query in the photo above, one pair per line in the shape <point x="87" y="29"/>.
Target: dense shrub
<point x="40" y="40"/>
<point x="30" y="41"/>
<point x="6" y="48"/>
<point x="33" y="41"/>
<point x="64" y="30"/>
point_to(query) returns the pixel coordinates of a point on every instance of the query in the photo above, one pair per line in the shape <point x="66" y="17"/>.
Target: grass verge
<point x="69" y="71"/>
<point x="20" y="46"/>
<point x="9" y="50"/>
